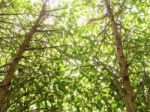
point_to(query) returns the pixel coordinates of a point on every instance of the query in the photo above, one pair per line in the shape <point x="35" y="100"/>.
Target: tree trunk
<point x="126" y="90"/>
<point x="4" y="87"/>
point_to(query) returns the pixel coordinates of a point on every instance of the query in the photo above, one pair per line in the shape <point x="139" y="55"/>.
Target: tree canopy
<point x="74" y="56"/>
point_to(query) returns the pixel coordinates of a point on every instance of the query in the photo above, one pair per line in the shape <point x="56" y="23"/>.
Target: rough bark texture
<point x="126" y="91"/>
<point x="4" y="87"/>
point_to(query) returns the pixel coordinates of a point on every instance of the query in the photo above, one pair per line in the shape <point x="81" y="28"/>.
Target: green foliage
<point x="71" y="64"/>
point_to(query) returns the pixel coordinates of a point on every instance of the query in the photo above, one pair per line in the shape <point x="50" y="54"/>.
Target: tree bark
<point x="4" y="87"/>
<point x="127" y="92"/>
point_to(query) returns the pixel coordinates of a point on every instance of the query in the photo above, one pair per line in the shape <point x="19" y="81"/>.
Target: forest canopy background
<point x="74" y="55"/>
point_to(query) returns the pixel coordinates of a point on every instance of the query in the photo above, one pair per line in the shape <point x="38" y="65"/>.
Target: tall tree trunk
<point x="127" y="92"/>
<point x="4" y="87"/>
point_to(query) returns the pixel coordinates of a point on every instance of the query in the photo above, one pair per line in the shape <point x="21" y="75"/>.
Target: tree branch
<point x="128" y="96"/>
<point x="4" y="89"/>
